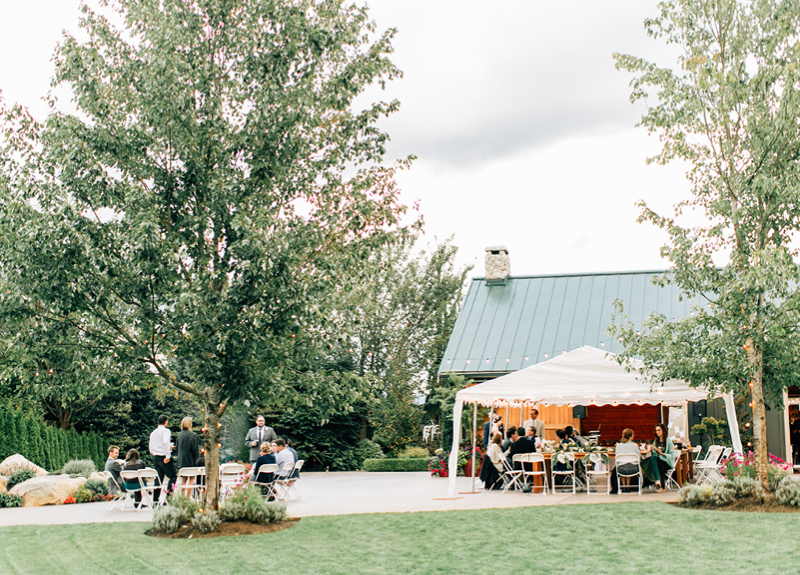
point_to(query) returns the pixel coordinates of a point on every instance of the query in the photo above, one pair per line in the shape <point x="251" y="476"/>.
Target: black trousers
<point x="164" y="469"/>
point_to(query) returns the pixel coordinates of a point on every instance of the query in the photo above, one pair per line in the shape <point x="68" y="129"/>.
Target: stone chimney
<point x="498" y="266"/>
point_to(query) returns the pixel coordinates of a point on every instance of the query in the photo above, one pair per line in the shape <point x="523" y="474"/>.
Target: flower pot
<point x="468" y="468"/>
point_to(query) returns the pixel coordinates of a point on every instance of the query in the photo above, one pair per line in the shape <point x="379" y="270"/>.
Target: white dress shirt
<point x="159" y="441"/>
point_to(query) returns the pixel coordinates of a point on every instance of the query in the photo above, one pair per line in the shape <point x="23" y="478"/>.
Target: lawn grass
<point x="635" y="538"/>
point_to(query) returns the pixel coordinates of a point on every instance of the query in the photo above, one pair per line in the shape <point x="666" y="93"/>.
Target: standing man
<point x="258" y="435"/>
<point x="113" y="466"/>
<point x="161" y="449"/>
<point x="535" y="422"/>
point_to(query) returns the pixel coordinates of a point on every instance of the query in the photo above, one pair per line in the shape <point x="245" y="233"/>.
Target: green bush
<point x="11" y="500"/>
<point x="788" y="492"/>
<point x="83" y="495"/>
<point x="390" y="464"/>
<point x="277" y="511"/>
<point x="206" y="522"/>
<point x="414" y="452"/>
<point x="169" y="519"/>
<point x="749" y="487"/>
<point x="96" y="486"/>
<point x="18" y="477"/>
<point x="722" y="494"/>
<point x="79" y="467"/>
<point x="691" y="495"/>
<point x="183" y="502"/>
<point x="366" y="449"/>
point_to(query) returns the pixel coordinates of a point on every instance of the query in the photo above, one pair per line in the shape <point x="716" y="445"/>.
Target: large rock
<point x="96" y="475"/>
<point x="16" y="461"/>
<point x="48" y="490"/>
<point x="3" y="481"/>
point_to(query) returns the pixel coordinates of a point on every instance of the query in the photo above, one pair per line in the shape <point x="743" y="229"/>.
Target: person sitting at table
<point x="562" y="437"/>
<point x="663" y="456"/>
<point x="573" y="435"/>
<point x="265" y="458"/>
<point x="521" y="445"/>
<point x="490" y="474"/>
<point x="508" y="441"/>
<point x="626" y="445"/>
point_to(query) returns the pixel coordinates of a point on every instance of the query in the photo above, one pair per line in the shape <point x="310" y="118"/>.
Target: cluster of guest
<point x="655" y="463"/>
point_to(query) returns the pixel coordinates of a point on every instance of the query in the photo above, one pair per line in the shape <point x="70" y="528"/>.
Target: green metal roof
<point x="503" y="328"/>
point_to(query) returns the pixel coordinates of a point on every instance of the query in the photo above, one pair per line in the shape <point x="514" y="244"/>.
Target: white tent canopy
<point x="585" y="376"/>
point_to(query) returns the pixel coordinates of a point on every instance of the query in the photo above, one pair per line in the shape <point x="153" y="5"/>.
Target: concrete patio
<point x="346" y="493"/>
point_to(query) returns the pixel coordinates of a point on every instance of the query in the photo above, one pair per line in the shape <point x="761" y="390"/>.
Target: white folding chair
<point x="670" y="479"/>
<point x="118" y="496"/>
<point x="569" y="460"/>
<point x="282" y="483"/>
<point x="594" y="473"/>
<point x="510" y="477"/>
<point x="707" y="467"/>
<point x="150" y="484"/>
<point x="188" y="482"/>
<point x="291" y="484"/>
<point x="622" y="459"/>
<point x="533" y="459"/>
<point x="230" y="475"/>
<point x="130" y="478"/>
<point x="268" y="486"/>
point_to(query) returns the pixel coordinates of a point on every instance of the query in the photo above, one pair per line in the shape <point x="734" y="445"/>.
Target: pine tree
<point x="4" y="431"/>
<point x="23" y="440"/>
<point x="35" y="442"/>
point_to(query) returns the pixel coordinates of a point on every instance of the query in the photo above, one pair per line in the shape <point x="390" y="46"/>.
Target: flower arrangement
<point x="468" y="452"/>
<point x="437" y="464"/>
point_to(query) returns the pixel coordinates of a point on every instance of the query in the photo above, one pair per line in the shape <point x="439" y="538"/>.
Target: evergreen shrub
<point x="206" y="522"/>
<point x="79" y="467"/>
<point x="169" y="519"/>
<point x="392" y="464"/>
<point x="414" y="452"/>
<point x="691" y="495"/>
<point x="749" y="487"/>
<point x="367" y="449"/>
<point x="96" y="486"/>
<point x="722" y="494"/>
<point x="18" y="477"/>
<point x="788" y="492"/>
<point x="11" y="500"/>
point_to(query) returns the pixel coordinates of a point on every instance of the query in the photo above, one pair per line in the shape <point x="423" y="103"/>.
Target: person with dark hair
<point x="282" y="456"/>
<point x="160" y="449"/>
<point x="495" y="425"/>
<point x="258" y="435"/>
<point x="133" y="463"/>
<point x="114" y="466"/>
<point x="662" y="458"/>
<point x="562" y="436"/>
<point x="512" y="431"/>
<point x="523" y="444"/>
<point x="296" y="472"/>
<point x="573" y="436"/>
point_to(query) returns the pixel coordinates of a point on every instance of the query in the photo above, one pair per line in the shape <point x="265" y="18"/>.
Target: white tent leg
<point x="733" y="423"/>
<point x="474" y="436"/>
<point x="453" y="463"/>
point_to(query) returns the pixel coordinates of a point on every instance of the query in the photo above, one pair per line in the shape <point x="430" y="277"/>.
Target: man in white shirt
<point x="160" y="449"/>
<point x="282" y="455"/>
<point x="535" y="422"/>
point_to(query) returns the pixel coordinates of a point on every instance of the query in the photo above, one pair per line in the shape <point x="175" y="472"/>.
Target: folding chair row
<point x="146" y="483"/>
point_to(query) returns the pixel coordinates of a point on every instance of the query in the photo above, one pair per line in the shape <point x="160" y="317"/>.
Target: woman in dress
<point x="133" y="463"/>
<point x="188" y="446"/>
<point x="490" y="474"/>
<point x="663" y="457"/>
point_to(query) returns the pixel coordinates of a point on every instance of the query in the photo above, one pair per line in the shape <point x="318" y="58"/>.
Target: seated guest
<point x="490" y="474"/>
<point x="513" y="437"/>
<point x="626" y="445"/>
<point x="523" y="444"/>
<point x="663" y="458"/>
<point x="265" y="458"/>
<point x="573" y="435"/>
<point x="133" y="463"/>
<point x="282" y="456"/>
<point x="508" y="440"/>
<point x="562" y="437"/>
<point x="114" y="466"/>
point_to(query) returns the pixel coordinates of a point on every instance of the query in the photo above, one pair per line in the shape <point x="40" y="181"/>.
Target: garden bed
<point x="226" y="529"/>
<point x="746" y="504"/>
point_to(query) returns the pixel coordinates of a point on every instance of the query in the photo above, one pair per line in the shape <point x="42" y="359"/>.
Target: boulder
<point x="12" y="463"/>
<point x="3" y="481"/>
<point x="48" y="490"/>
<point x="96" y="475"/>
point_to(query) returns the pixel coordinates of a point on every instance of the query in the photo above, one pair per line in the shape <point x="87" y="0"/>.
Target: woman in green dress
<point x="662" y="458"/>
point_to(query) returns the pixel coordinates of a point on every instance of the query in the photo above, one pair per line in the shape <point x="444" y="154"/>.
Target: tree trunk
<point x="755" y="357"/>
<point x="212" y="416"/>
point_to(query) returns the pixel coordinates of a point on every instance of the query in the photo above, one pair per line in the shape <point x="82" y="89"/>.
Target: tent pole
<point x="733" y="423"/>
<point x="474" y="434"/>
<point x="452" y="465"/>
<point x="505" y="422"/>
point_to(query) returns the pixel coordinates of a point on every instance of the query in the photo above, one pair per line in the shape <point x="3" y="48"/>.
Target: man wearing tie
<point x="258" y="435"/>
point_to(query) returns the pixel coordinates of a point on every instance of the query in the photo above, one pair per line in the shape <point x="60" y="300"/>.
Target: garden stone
<point x="3" y="481"/>
<point x="48" y="490"/>
<point x="98" y="476"/>
<point x="16" y="461"/>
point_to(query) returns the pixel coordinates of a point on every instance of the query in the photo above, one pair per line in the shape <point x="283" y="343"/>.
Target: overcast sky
<point x="522" y="127"/>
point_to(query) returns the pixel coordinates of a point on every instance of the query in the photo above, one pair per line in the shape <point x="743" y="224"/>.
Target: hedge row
<point x="48" y="447"/>
<point x="389" y="464"/>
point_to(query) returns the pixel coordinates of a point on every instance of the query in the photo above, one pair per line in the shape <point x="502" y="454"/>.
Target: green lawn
<point x="619" y="538"/>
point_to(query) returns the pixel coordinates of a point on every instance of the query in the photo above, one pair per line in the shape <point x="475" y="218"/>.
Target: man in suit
<point x="523" y="444"/>
<point x="114" y="466"/>
<point x="535" y="422"/>
<point x="258" y="435"/>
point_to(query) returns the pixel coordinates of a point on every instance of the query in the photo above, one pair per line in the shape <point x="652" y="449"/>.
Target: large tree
<point x="729" y="109"/>
<point x="215" y="183"/>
